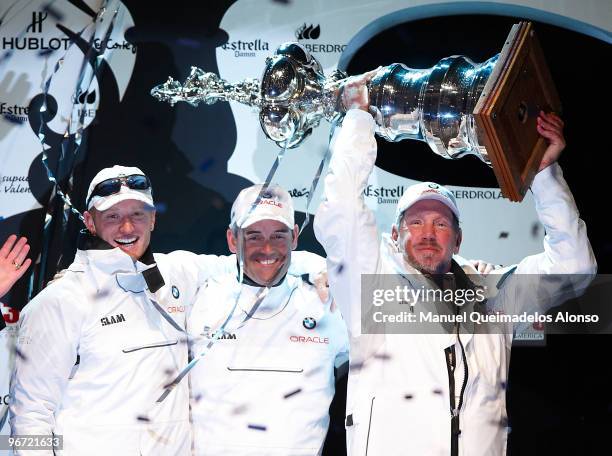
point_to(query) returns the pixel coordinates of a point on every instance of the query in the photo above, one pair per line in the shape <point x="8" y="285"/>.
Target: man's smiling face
<point x="127" y="225"/>
<point x="428" y="236"/>
<point x="267" y="250"/>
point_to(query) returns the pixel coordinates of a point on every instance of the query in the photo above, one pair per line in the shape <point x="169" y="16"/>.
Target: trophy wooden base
<point x="507" y="110"/>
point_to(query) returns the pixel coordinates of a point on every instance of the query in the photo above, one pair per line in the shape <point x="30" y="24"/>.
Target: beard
<point x="427" y="264"/>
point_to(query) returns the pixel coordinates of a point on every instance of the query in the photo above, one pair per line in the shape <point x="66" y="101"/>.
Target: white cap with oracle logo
<point x="275" y="204"/>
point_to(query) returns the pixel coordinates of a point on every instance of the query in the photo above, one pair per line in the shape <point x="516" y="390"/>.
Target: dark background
<point x="559" y="399"/>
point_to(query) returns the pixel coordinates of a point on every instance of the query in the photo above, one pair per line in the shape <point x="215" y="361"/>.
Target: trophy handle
<point x="208" y="88"/>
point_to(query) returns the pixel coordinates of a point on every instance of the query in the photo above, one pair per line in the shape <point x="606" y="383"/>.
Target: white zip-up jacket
<point x="95" y="353"/>
<point x="265" y="385"/>
<point x="398" y="399"/>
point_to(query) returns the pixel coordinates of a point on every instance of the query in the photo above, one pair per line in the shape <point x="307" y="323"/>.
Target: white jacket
<point x="398" y="394"/>
<point x="265" y="386"/>
<point x="101" y="316"/>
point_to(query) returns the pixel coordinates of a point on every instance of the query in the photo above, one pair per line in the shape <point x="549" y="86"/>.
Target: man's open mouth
<point x="267" y="261"/>
<point x="126" y="241"/>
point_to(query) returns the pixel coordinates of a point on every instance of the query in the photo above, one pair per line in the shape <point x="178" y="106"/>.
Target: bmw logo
<point x="309" y="323"/>
<point x="175" y="292"/>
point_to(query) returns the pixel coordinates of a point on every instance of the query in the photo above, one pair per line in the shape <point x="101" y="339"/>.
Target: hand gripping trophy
<point x="457" y="107"/>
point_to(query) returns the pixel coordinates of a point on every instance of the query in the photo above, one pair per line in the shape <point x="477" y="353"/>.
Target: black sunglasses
<point x="111" y="186"/>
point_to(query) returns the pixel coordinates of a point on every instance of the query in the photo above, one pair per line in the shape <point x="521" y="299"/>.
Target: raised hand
<point x="13" y="262"/>
<point x="550" y="126"/>
<point x="354" y="91"/>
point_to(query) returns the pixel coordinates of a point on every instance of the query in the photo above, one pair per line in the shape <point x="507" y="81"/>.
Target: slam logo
<point x="209" y="333"/>
<point x="112" y="320"/>
<point x="308" y="32"/>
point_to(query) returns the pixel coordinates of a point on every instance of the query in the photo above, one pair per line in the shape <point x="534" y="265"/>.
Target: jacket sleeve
<point x="567" y="249"/>
<point x="344" y="225"/>
<point x="303" y="262"/>
<point x="567" y="264"/>
<point x="46" y="351"/>
<point x="208" y="266"/>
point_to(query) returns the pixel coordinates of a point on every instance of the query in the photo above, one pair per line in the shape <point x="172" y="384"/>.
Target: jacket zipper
<point x="451" y="364"/>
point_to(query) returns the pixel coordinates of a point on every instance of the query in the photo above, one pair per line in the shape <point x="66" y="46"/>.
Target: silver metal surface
<point x="434" y="105"/>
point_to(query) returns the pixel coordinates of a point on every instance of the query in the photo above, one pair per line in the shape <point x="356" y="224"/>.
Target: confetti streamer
<point x="292" y="393"/>
<point x="257" y="427"/>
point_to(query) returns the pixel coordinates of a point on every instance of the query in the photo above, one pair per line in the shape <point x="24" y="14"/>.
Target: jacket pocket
<point x="163" y="343"/>
<point x="270" y="368"/>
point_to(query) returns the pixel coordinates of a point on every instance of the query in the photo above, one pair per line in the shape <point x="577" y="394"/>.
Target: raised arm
<point x="566" y="247"/>
<point x="344" y="225"/>
<point x="567" y="265"/>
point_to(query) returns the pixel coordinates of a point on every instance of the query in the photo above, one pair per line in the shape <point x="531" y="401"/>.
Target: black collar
<point x="88" y="241"/>
<point x="152" y="276"/>
<point x="454" y="279"/>
<point x="248" y="281"/>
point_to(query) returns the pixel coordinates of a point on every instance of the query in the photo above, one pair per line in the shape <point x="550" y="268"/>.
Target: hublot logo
<point x="38" y="18"/>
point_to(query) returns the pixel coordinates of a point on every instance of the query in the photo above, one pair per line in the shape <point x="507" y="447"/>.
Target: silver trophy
<point x="432" y="105"/>
<point x="457" y="106"/>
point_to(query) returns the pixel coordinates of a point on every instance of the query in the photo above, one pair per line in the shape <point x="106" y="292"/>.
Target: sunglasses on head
<point x="113" y="185"/>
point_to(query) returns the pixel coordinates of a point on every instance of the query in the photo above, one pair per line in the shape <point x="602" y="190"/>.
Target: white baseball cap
<point x="275" y="204"/>
<point x="426" y="191"/>
<point x="103" y="203"/>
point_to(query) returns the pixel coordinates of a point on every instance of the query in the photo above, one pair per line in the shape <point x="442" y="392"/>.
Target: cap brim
<point x="258" y="218"/>
<point x="436" y="197"/>
<point x="103" y="203"/>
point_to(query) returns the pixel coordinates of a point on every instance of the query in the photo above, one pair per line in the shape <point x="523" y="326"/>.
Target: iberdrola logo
<point x="308" y="32"/>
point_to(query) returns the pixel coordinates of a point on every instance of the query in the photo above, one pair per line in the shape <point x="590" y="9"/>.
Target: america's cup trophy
<point x="458" y="107"/>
